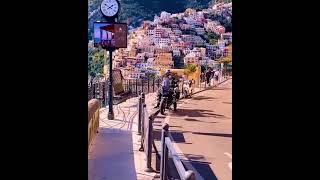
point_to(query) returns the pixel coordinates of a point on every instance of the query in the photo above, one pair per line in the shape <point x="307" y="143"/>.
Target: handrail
<point x="166" y="148"/>
<point x="184" y="175"/>
<point x="145" y="129"/>
<point x="93" y="119"/>
<point x="98" y="88"/>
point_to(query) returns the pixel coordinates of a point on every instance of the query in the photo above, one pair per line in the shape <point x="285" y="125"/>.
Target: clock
<point x="110" y="8"/>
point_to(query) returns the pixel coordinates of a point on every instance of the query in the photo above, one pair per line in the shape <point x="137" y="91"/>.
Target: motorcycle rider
<point x="165" y="86"/>
<point x="175" y="85"/>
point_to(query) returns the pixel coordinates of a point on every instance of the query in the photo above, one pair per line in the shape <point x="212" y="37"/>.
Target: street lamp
<point x="110" y="14"/>
<point x="110" y="114"/>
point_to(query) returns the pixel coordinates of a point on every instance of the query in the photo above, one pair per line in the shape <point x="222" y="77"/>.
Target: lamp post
<point x="110" y="103"/>
<point x="110" y="10"/>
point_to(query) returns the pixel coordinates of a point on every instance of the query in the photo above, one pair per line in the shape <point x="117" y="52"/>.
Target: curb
<point x="211" y="87"/>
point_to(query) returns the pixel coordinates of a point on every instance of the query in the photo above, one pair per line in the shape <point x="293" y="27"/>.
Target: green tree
<point x="213" y="41"/>
<point x="213" y="35"/>
<point x="189" y="69"/>
<point x="228" y="59"/>
<point x="96" y="62"/>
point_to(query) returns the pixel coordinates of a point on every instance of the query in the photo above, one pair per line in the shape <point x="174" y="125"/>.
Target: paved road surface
<point x="202" y="130"/>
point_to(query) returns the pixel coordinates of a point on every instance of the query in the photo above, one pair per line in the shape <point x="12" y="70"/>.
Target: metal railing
<point x="145" y="129"/>
<point x="93" y="119"/>
<point x="98" y="88"/>
<point x="167" y="148"/>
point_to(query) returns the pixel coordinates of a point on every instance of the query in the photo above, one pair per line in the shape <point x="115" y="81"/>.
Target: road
<point x="202" y="131"/>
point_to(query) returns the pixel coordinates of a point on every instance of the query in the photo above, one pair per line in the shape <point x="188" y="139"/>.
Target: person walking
<point x="208" y="74"/>
<point x="193" y="82"/>
<point x="202" y="77"/>
<point x="216" y="76"/>
<point x="212" y="77"/>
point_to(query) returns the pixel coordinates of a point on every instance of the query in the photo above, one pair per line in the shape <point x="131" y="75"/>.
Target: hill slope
<point x="135" y="11"/>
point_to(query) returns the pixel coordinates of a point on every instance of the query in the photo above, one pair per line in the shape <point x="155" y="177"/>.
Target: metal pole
<point x="153" y="85"/>
<point x="104" y="93"/>
<point x="110" y="114"/>
<point x="164" y="152"/>
<point x="166" y="159"/>
<point x="148" y="84"/>
<point x="142" y="85"/>
<point x="143" y="138"/>
<point x="137" y="86"/>
<point x="140" y="115"/>
<point x="142" y="120"/>
<point x="149" y="144"/>
<point x="143" y="98"/>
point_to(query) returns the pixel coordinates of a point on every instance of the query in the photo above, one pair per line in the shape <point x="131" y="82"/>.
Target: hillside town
<point x="160" y="104"/>
<point x="174" y="41"/>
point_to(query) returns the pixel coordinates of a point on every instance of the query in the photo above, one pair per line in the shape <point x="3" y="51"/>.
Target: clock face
<point x="109" y="7"/>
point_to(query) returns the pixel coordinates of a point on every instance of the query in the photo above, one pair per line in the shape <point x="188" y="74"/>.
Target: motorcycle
<point x="169" y="98"/>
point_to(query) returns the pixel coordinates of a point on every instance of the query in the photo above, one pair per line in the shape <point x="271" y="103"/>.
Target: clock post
<point x="110" y="10"/>
<point x="110" y="83"/>
<point x="110" y="103"/>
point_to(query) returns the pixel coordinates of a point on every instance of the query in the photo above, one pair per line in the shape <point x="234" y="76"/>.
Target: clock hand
<point x="110" y="7"/>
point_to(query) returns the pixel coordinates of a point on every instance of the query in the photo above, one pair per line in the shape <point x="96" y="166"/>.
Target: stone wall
<point x="93" y="119"/>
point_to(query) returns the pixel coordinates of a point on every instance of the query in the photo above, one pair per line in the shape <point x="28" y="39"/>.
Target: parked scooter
<point x="187" y="91"/>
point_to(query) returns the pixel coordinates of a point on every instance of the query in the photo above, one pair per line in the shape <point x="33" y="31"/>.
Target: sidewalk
<point x="114" y="152"/>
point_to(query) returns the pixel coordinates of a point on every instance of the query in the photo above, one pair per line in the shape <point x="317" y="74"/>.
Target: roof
<point x="109" y="28"/>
